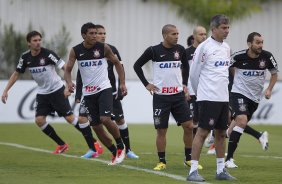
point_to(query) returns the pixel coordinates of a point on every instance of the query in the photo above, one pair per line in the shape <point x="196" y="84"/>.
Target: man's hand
<point x="4" y="97"/>
<point x="152" y="88"/>
<point x="123" y="89"/>
<point x="267" y="94"/>
<point x="71" y="87"/>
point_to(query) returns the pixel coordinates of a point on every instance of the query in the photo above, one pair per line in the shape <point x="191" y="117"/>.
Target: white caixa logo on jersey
<point x="96" y="53"/>
<point x="42" y="61"/>
<point x="176" y="55"/>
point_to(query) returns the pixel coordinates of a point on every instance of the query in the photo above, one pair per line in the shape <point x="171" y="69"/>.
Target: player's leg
<point x="44" y="108"/>
<point x="123" y="128"/>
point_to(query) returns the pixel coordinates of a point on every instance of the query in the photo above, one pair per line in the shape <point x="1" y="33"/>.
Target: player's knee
<point x="40" y="120"/>
<point x="105" y="119"/>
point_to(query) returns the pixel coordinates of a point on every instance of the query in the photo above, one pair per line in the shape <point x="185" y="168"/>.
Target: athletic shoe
<point x="131" y="154"/>
<point x="98" y="147"/>
<point x="188" y="164"/>
<point x="194" y="176"/>
<point x="119" y="157"/>
<point x="264" y="140"/>
<point x="224" y="175"/>
<point x="160" y="166"/>
<point x="230" y="164"/>
<point x="211" y="150"/>
<point x="209" y="140"/>
<point x="90" y="154"/>
<point x="61" y="149"/>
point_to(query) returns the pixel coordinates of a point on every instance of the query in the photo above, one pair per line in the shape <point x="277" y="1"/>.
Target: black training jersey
<point x="93" y="68"/>
<point x="250" y="73"/>
<point x="111" y="73"/>
<point x="167" y="63"/>
<point x="42" y="69"/>
<point x="190" y="54"/>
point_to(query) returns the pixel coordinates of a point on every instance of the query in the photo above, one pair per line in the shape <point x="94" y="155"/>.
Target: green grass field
<point x="25" y="158"/>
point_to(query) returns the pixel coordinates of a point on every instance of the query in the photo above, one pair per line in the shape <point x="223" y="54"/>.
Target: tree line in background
<point x="13" y="44"/>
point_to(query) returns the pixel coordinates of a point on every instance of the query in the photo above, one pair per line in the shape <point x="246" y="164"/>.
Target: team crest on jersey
<point x="176" y="55"/>
<point x="242" y="107"/>
<point x="211" y="122"/>
<point x="261" y="64"/>
<point x="42" y="61"/>
<point x="96" y="53"/>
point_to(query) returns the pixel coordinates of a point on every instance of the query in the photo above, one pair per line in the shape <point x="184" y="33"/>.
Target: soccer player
<point x="51" y="95"/>
<point x="117" y="96"/>
<point x="168" y="89"/>
<point x="97" y="92"/>
<point x="199" y="35"/>
<point x="249" y="68"/>
<point x="209" y="80"/>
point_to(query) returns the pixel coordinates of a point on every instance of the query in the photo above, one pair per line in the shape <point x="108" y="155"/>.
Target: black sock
<point x="162" y="157"/>
<point x="77" y="127"/>
<point x="232" y="144"/>
<point x="120" y="144"/>
<point x="125" y="138"/>
<point x="113" y="149"/>
<point x="49" y="130"/>
<point x="249" y="130"/>
<point x="87" y="134"/>
<point x="194" y="131"/>
<point x="188" y="154"/>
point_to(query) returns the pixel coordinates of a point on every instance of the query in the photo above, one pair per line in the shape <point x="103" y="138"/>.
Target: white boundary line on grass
<point x="172" y="176"/>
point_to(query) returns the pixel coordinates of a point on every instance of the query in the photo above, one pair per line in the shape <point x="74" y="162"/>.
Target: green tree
<point x="201" y="11"/>
<point x="13" y="44"/>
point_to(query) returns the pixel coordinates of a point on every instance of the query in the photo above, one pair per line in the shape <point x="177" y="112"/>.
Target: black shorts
<point x="193" y="106"/>
<point x="99" y="104"/>
<point x="175" y="104"/>
<point x="46" y="104"/>
<point x="242" y="105"/>
<point x="213" y="115"/>
<point x="117" y="110"/>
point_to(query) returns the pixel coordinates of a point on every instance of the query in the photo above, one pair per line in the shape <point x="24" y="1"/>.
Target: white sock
<point x="194" y="166"/>
<point x="219" y="165"/>
<point x="84" y="125"/>
<point x="122" y="127"/>
<point x="44" y="126"/>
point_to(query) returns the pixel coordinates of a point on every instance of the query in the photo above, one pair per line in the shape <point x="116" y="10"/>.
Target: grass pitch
<point x="25" y="158"/>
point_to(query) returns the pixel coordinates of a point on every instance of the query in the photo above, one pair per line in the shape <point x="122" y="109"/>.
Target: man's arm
<point x="78" y="92"/>
<point x="143" y="59"/>
<point x="14" y="77"/>
<point x="110" y="56"/>
<point x="68" y="69"/>
<point x="272" y="82"/>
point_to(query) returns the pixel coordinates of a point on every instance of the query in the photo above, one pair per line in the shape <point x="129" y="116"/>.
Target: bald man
<point x="168" y="89"/>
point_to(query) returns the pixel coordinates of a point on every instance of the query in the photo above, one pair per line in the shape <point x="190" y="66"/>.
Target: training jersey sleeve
<point x="56" y="59"/>
<point x="78" y="93"/>
<point x="21" y="65"/>
<point x="143" y="59"/>
<point x="196" y="67"/>
<point x="185" y="68"/>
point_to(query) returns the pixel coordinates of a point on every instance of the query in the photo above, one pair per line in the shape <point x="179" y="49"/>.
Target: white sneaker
<point x="230" y="164"/>
<point x="120" y="155"/>
<point x="264" y="140"/>
<point x="209" y="140"/>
